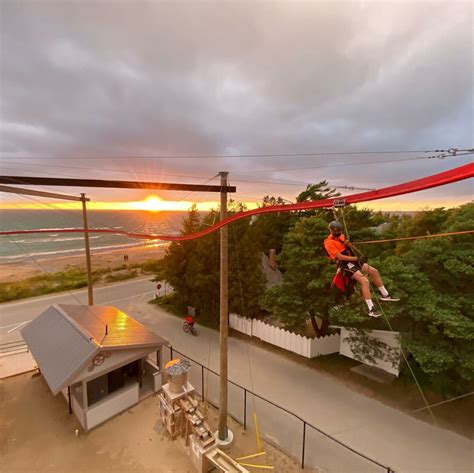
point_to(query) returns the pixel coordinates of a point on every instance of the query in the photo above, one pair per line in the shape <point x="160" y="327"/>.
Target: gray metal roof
<point x="59" y="347"/>
<point x="64" y="338"/>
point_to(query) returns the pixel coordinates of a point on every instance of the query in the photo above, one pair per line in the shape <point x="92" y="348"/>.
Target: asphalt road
<point x="383" y="433"/>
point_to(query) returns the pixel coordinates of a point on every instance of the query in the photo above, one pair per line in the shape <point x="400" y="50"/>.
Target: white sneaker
<point x="389" y="298"/>
<point x="374" y="313"/>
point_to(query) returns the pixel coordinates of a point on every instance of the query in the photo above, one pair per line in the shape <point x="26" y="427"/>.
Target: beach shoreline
<point x="18" y="271"/>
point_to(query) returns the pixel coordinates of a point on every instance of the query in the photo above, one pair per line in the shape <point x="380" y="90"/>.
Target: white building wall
<point x="308" y="347"/>
<point x="388" y="343"/>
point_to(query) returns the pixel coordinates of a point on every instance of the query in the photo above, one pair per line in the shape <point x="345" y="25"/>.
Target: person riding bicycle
<point x="339" y="249"/>
<point x="190" y="320"/>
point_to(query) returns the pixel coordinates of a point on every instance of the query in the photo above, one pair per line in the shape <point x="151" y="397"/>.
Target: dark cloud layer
<point x="102" y="78"/>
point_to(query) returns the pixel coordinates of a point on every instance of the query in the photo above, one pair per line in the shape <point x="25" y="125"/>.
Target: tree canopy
<point x="432" y="277"/>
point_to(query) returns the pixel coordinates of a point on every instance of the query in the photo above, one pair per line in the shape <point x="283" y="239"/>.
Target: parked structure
<point x="101" y="359"/>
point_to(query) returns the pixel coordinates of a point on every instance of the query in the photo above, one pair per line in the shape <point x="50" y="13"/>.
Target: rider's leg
<point x="364" y="284"/>
<point x="375" y="275"/>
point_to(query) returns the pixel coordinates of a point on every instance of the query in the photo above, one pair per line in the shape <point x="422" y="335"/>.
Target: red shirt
<point x="335" y="245"/>
<point x="189" y="320"/>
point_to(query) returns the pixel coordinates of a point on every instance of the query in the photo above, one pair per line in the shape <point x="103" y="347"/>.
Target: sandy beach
<point x="18" y="271"/>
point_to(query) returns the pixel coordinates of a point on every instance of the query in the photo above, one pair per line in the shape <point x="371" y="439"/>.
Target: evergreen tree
<point x="192" y="268"/>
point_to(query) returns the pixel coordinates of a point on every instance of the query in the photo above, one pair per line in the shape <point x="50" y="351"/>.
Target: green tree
<point x="270" y="228"/>
<point x="305" y="290"/>
<point x="174" y="267"/>
<point x="193" y="270"/>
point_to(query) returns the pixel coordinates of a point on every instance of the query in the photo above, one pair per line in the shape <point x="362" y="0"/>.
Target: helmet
<point x="335" y="228"/>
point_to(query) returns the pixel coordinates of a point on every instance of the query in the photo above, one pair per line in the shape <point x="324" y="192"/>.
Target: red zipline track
<point x="447" y="177"/>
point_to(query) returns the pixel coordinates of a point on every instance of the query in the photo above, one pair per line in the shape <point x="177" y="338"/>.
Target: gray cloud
<point x="151" y="78"/>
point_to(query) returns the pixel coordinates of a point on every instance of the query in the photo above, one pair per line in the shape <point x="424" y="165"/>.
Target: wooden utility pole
<point x="224" y="324"/>
<point x="90" y="294"/>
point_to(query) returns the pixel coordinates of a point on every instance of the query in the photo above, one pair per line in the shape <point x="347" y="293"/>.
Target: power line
<point x="363" y="163"/>
<point x="269" y="181"/>
<point x="255" y="155"/>
<point x="132" y="171"/>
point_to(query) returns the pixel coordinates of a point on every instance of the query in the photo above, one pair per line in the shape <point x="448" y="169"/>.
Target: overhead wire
<point x="360" y="163"/>
<point x="249" y="155"/>
<point x="267" y="181"/>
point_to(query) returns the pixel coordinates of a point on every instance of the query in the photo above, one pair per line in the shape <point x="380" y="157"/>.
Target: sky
<point x="194" y="80"/>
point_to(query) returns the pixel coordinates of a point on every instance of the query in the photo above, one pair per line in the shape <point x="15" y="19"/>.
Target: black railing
<point x="304" y="423"/>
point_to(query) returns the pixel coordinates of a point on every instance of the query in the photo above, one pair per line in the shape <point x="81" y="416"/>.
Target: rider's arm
<point x="341" y="257"/>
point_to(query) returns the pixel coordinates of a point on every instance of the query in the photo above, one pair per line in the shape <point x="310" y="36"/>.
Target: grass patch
<point x="43" y="284"/>
<point x="73" y="277"/>
<point x="122" y="276"/>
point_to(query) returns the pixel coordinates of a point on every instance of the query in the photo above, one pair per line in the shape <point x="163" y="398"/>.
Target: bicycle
<point x="187" y="328"/>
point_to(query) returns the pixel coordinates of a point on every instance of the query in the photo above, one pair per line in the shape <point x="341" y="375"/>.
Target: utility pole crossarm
<point x="51" y="195"/>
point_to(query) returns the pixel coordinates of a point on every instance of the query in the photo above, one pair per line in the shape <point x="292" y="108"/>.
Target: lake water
<point x="16" y="248"/>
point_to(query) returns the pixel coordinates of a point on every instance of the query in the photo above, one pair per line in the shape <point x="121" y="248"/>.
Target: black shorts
<point x="349" y="267"/>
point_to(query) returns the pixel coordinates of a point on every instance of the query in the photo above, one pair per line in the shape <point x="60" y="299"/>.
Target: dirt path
<point x="38" y="435"/>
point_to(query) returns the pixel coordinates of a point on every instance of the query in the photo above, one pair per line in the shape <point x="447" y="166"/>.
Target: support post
<point x="84" y="395"/>
<point x="69" y="399"/>
<point x="90" y="294"/>
<point x="202" y="382"/>
<point x="224" y="324"/>
<point x="304" y="445"/>
<point x="158" y="360"/>
<point x="245" y="409"/>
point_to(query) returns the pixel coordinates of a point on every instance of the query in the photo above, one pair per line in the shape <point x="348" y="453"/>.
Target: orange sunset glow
<point x="154" y="203"/>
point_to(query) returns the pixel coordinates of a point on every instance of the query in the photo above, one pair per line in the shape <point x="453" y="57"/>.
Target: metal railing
<point x="281" y="422"/>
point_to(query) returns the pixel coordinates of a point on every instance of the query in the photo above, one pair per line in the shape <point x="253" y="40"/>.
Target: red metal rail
<point x="447" y="177"/>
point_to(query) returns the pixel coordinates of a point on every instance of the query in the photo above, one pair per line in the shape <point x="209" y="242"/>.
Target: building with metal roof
<point x="100" y="358"/>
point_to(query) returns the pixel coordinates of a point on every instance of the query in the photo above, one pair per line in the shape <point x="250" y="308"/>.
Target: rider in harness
<point x="352" y="267"/>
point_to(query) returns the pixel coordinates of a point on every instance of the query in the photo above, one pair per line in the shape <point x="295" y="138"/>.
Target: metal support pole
<point x="90" y="294"/>
<point x="224" y="325"/>
<point x="245" y="409"/>
<point x="304" y="442"/>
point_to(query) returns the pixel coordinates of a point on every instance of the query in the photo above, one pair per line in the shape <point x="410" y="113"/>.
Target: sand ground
<point x="10" y="272"/>
<point x="38" y="435"/>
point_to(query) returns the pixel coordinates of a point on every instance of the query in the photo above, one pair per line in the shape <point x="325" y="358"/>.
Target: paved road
<point x="393" y="438"/>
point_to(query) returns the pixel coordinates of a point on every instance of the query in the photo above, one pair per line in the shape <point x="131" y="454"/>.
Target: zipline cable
<point x="436" y="180"/>
<point x="421" y="237"/>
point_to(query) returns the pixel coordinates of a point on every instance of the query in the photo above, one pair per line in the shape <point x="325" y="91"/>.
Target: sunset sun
<point x="153" y="204"/>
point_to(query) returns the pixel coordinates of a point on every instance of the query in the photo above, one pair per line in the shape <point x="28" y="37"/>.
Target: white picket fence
<point x="308" y="347"/>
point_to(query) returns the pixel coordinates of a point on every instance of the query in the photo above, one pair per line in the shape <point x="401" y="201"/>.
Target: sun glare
<point x="153" y="204"/>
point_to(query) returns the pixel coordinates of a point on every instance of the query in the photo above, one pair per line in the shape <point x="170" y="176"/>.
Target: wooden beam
<point x="66" y="182"/>
<point x="52" y="195"/>
<point x="90" y="291"/>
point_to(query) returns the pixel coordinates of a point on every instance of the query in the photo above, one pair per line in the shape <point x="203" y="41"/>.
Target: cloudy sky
<point x="192" y="80"/>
